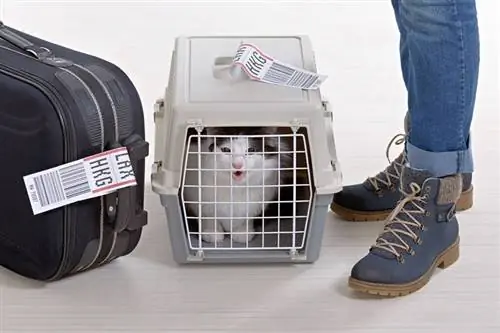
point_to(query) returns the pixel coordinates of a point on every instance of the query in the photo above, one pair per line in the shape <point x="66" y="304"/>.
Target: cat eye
<point x="211" y="147"/>
<point x="225" y="150"/>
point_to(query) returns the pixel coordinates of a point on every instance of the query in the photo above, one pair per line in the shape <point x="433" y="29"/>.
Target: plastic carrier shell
<point x="290" y="226"/>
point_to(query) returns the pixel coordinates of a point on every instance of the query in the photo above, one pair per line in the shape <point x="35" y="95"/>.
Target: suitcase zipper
<point x="117" y="138"/>
<point x="117" y="143"/>
<point x="101" y="214"/>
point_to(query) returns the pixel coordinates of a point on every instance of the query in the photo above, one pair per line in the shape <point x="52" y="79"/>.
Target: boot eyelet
<point x="418" y="241"/>
<point x="411" y="252"/>
<point x="401" y="259"/>
<point x="392" y="188"/>
<point x="427" y="213"/>
<point x="427" y="189"/>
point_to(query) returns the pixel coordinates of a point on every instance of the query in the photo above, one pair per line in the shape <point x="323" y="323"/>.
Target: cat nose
<point x="237" y="164"/>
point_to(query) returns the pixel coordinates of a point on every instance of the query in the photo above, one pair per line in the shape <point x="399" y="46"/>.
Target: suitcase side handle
<point x="122" y="205"/>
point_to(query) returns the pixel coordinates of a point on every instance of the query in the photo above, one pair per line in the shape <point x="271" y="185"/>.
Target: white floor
<point x="356" y="45"/>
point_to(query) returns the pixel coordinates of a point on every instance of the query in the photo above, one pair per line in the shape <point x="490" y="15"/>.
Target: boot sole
<point x="443" y="261"/>
<point x="465" y="202"/>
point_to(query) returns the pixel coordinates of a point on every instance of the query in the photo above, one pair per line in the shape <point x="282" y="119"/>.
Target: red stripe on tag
<point x="104" y="153"/>
<point x="258" y="50"/>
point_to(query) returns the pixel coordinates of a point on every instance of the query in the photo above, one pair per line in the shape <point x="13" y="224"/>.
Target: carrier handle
<point x="224" y="69"/>
<point x="23" y="44"/>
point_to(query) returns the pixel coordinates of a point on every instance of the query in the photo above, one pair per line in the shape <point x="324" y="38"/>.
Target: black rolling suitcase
<point x="67" y="122"/>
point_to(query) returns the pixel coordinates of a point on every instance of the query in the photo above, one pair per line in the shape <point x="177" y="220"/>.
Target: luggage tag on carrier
<point x="262" y="67"/>
<point x="83" y="179"/>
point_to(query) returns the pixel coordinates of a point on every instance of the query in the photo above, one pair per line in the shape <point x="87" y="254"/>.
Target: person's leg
<point x="444" y="46"/>
<point x="377" y="196"/>
<point x="404" y="54"/>
<point x="422" y="231"/>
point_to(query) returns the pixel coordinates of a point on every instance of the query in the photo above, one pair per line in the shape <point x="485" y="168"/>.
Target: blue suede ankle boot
<point x="420" y="234"/>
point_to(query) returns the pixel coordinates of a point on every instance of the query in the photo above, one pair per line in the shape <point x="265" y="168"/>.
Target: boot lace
<point x="402" y="222"/>
<point x="391" y="175"/>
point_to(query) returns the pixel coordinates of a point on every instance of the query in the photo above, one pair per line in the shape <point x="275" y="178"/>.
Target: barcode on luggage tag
<point x="262" y="67"/>
<point x="83" y="179"/>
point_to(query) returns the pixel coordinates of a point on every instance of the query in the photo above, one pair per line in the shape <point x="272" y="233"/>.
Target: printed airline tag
<point x="262" y="67"/>
<point x="90" y="177"/>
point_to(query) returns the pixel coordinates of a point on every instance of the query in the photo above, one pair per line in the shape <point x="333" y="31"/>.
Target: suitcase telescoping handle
<point x="22" y="43"/>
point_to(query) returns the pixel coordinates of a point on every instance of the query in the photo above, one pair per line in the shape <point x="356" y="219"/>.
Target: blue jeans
<point x="439" y="49"/>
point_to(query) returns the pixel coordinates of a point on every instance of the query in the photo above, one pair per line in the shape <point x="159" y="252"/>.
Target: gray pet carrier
<point x="279" y="140"/>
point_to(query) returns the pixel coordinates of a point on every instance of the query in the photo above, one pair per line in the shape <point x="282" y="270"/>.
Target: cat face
<point x="244" y="159"/>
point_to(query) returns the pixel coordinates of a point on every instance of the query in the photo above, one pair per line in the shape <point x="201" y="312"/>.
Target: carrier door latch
<point x="159" y="109"/>
<point x="330" y="140"/>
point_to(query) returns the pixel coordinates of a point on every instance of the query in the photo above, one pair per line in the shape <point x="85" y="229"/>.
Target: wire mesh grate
<point x="246" y="191"/>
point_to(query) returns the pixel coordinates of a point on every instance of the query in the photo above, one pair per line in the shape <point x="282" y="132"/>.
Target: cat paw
<point x="242" y="238"/>
<point x="213" y="238"/>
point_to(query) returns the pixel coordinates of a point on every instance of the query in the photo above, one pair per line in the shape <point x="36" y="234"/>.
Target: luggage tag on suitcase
<point x="83" y="179"/>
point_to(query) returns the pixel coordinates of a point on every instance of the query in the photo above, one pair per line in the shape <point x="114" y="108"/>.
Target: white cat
<point x="228" y="203"/>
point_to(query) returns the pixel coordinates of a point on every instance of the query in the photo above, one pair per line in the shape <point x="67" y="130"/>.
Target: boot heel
<point x="466" y="200"/>
<point x="450" y="256"/>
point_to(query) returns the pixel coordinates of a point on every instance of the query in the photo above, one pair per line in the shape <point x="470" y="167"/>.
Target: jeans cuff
<point x="440" y="164"/>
